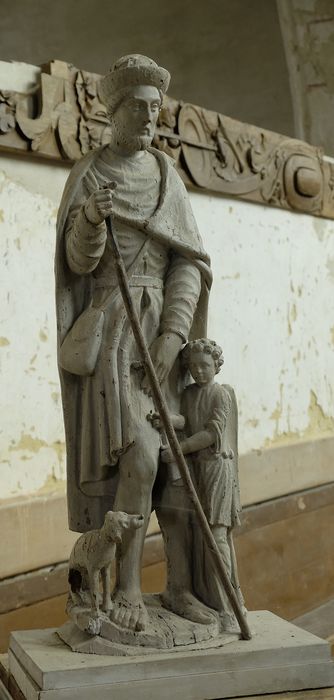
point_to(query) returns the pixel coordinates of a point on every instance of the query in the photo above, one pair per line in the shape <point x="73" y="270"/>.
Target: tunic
<point x="207" y="408"/>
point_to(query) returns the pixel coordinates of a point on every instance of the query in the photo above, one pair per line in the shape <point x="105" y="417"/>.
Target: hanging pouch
<point x="81" y="346"/>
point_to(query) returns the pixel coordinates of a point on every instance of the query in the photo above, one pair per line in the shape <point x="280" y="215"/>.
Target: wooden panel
<point x="48" y="613"/>
<point x="19" y="591"/>
<point x="319" y="621"/>
<point x="154" y="578"/>
<point x="28" y="527"/>
<point x="256" y="516"/>
<point x="26" y="545"/>
<point x="46" y="583"/>
<point x="271" y="473"/>
<point x="285" y="554"/>
<point x="32" y="587"/>
<point x="287" y="565"/>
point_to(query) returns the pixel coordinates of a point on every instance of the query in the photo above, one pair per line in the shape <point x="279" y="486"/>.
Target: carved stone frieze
<point x="64" y="117"/>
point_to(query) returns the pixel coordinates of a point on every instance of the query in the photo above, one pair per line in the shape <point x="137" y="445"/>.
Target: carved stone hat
<point x="129" y="71"/>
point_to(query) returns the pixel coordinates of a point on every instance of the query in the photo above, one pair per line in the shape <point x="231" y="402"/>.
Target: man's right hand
<point x="99" y="205"/>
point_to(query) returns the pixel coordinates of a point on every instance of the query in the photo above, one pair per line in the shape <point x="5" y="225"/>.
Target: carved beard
<point x="137" y="143"/>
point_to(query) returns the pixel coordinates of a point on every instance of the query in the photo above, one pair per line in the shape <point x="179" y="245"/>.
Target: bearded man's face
<point x="135" y="119"/>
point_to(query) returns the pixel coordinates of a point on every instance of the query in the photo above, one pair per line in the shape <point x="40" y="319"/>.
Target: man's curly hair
<point x="203" y="345"/>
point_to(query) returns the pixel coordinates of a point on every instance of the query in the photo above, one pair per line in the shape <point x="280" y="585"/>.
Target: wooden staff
<point x="162" y="407"/>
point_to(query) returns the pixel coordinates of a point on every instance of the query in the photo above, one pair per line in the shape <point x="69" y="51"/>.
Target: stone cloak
<point x="172" y="223"/>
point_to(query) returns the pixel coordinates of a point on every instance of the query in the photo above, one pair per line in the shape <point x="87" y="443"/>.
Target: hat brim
<point x="131" y="76"/>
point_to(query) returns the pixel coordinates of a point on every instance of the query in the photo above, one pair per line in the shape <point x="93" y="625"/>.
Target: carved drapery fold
<point x="63" y="118"/>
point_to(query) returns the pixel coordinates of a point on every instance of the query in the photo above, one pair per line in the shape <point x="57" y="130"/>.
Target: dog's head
<point x="115" y="522"/>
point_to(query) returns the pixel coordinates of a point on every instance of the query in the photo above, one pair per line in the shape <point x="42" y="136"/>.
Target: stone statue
<point x="208" y="412"/>
<point x="92" y="556"/>
<point x="112" y="450"/>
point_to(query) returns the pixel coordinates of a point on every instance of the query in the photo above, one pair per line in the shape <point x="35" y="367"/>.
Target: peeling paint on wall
<point x="253" y="422"/>
<point x="43" y="336"/>
<point x="320" y="228"/>
<point x="330" y="268"/>
<point x="319" y="426"/>
<point x="319" y="422"/>
<point x="331" y="330"/>
<point x="292" y="315"/>
<point x="52" y="484"/>
<point x="32" y="458"/>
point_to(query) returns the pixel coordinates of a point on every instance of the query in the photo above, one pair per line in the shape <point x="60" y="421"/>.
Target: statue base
<point x="164" y="632"/>
<point x="280" y="657"/>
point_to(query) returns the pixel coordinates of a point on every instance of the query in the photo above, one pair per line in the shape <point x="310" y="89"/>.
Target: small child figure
<point x="209" y="411"/>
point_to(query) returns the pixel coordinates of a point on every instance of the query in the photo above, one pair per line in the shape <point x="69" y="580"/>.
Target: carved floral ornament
<point x="63" y="118"/>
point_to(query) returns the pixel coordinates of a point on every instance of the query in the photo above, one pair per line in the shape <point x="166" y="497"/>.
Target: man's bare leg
<point x="138" y="470"/>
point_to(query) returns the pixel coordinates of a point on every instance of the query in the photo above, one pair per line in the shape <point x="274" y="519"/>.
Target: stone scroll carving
<point x="64" y="117"/>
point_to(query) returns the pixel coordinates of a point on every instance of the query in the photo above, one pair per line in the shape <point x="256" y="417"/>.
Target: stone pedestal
<point x="164" y="632"/>
<point x="280" y="657"/>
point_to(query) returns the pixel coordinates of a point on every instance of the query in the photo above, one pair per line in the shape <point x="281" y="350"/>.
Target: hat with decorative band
<point x="130" y="71"/>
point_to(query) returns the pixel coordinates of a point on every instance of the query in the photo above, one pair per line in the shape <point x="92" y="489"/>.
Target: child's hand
<point x="155" y="419"/>
<point x="167" y="455"/>
<point x="228" y="453"/>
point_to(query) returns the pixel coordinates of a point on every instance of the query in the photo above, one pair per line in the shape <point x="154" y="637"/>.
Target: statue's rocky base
<point x="165" y="631"/>
<point x="279" y="657"/>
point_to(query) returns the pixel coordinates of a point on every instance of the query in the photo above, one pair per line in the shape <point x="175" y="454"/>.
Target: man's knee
<point x="140" y="464"/>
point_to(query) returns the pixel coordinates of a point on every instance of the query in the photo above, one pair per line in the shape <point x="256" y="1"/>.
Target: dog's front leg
<point x="106" y="576"/>
<point x="94" y="577"/>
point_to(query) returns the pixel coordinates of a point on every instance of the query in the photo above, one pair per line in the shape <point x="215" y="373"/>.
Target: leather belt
<point x="134" y="281"/>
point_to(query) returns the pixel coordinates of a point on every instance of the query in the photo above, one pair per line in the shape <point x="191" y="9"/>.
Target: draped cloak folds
<point x="172" y="224"/>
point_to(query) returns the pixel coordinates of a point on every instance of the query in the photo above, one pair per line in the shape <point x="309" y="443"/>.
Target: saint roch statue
<point x="113" y="449"/>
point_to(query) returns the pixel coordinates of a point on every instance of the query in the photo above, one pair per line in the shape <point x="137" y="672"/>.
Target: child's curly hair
<point x="203" y="345"/>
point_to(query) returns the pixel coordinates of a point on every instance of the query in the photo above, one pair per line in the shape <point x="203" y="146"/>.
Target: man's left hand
<point x="164" y="351"/>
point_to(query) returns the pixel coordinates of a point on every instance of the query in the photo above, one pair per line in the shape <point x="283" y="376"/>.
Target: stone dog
<point x="92" y="555"/>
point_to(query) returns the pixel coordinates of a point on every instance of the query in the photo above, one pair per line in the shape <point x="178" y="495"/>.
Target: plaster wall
<point x="272" y="312"/>
<point x="270" y="309"/>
